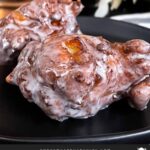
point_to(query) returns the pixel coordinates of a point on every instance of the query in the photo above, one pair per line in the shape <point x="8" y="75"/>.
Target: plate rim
<point x="103" y="138"/>
<point x="115" y="21"/>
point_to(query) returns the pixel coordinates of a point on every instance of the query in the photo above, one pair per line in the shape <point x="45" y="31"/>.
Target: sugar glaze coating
<point x="78" y="75"/>
<point x="34" y="21"/>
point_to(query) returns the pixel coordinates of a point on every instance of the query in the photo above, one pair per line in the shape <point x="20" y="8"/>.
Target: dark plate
<point x="21" y="121"/>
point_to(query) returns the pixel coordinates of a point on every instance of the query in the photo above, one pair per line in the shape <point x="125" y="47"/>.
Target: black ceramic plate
<point x="21" y="121"/>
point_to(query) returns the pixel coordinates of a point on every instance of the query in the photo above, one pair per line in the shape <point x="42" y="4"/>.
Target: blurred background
<point x="134" y="11"/>
<point x="7" y="6"/>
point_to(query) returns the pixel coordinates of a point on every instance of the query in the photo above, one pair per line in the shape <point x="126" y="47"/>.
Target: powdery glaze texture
<point x="76" y="76"/>
<point x="34" y="21"/>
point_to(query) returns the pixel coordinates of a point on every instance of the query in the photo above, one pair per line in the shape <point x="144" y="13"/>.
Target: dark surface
<point x="24" y="122"/>
<point x="126" y="7"/>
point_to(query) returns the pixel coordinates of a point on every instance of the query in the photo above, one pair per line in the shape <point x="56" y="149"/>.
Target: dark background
<point x="125" y="8"/>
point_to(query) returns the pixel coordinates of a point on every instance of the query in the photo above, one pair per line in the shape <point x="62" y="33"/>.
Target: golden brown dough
<point x="34" y="21"/>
